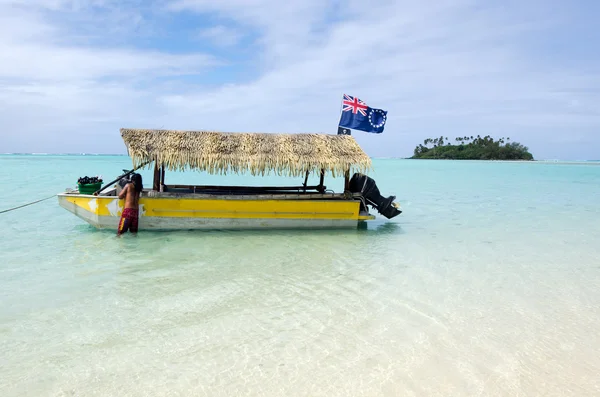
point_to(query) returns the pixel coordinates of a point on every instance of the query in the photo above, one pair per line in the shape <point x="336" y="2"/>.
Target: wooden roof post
<point x="156" y="182"/>
<point x="347" y="180"/>
<point x="321" y="188"/>
<point x="305" y="180"/>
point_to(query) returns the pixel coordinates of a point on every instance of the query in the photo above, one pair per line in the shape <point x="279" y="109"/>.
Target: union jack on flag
<point x="354" y="105"/>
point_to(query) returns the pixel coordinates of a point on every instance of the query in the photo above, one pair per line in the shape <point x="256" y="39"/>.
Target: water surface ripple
<point x="487" y="285"/>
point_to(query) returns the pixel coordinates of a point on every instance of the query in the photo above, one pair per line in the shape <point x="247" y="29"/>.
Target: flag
<point x="358" y="116"/>
<point x="344" y="131"/>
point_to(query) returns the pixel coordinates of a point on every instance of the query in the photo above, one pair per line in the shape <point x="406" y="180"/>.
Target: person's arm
<point x="123" y="192"/>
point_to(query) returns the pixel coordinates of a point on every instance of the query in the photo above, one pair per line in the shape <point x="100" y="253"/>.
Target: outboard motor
<point x="123" y="181"/>
<point x="361" y="183"/>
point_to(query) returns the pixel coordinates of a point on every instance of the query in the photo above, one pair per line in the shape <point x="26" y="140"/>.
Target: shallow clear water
<point x="486" y="285"/>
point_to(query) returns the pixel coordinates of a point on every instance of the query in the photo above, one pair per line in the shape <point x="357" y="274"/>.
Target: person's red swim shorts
<point x="129" y="221"/>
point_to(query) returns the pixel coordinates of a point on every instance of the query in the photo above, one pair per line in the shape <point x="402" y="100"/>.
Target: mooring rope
<point x="25" y="205"/>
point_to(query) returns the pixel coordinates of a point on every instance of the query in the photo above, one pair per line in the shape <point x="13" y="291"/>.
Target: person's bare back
<point x="130" y="195"/>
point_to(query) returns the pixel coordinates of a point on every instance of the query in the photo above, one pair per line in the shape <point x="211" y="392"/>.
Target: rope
<point x="25" y="205"/>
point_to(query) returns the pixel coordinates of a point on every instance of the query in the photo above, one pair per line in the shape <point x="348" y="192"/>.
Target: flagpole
<point x="340" y="115"/>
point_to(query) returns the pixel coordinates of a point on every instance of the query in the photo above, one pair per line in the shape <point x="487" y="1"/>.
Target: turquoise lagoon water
<point x="486" y="285"/>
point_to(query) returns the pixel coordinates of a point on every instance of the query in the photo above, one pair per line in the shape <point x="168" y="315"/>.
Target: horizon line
<point x="372" y="157"/>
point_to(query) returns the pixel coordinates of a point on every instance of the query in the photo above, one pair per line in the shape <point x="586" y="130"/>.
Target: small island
<point x="472" y="148"/>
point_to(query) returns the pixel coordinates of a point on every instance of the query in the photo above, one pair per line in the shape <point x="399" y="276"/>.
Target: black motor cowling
<point x="361" y="183"/>
<point x="126" y="179"/>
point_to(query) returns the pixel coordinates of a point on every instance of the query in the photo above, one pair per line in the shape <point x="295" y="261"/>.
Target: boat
<point x="164" y="206"/>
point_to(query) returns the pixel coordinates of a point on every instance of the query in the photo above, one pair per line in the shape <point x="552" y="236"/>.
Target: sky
<point x="72" y="72"/>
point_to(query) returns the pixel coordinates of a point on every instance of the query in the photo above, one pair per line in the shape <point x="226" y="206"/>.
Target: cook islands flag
<point x="358" y="116"/>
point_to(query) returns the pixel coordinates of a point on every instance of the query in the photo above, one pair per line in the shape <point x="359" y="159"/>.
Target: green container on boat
<point x="89" y="188"/>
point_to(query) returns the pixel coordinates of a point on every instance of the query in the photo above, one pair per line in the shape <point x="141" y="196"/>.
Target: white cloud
<point x="221" y="35"/>
<point x="42" y="62"/>
<point x="450" y="67"/>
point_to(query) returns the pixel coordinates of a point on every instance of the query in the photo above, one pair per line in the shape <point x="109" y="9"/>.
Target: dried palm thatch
<point x="259" y="153"/>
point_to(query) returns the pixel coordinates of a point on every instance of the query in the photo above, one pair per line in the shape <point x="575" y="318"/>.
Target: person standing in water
<point x="131" y="193"/>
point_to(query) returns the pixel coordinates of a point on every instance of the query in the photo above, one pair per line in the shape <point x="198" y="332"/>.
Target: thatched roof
<point x="259" y="153"/>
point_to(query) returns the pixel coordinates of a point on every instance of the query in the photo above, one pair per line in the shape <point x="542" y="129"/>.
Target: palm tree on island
<point x="475" y="148"/>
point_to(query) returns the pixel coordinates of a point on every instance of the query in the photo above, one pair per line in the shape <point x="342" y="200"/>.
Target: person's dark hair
<point x="136" y="179"/>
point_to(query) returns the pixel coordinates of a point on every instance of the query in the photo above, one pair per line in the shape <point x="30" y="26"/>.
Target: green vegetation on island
<point x="471" y="148"/>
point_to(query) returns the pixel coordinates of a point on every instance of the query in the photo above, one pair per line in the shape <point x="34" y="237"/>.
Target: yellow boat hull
<point x="173" y="213"/>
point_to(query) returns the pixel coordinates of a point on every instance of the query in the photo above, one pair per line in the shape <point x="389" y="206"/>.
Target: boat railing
<point x="223" y="189"/>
